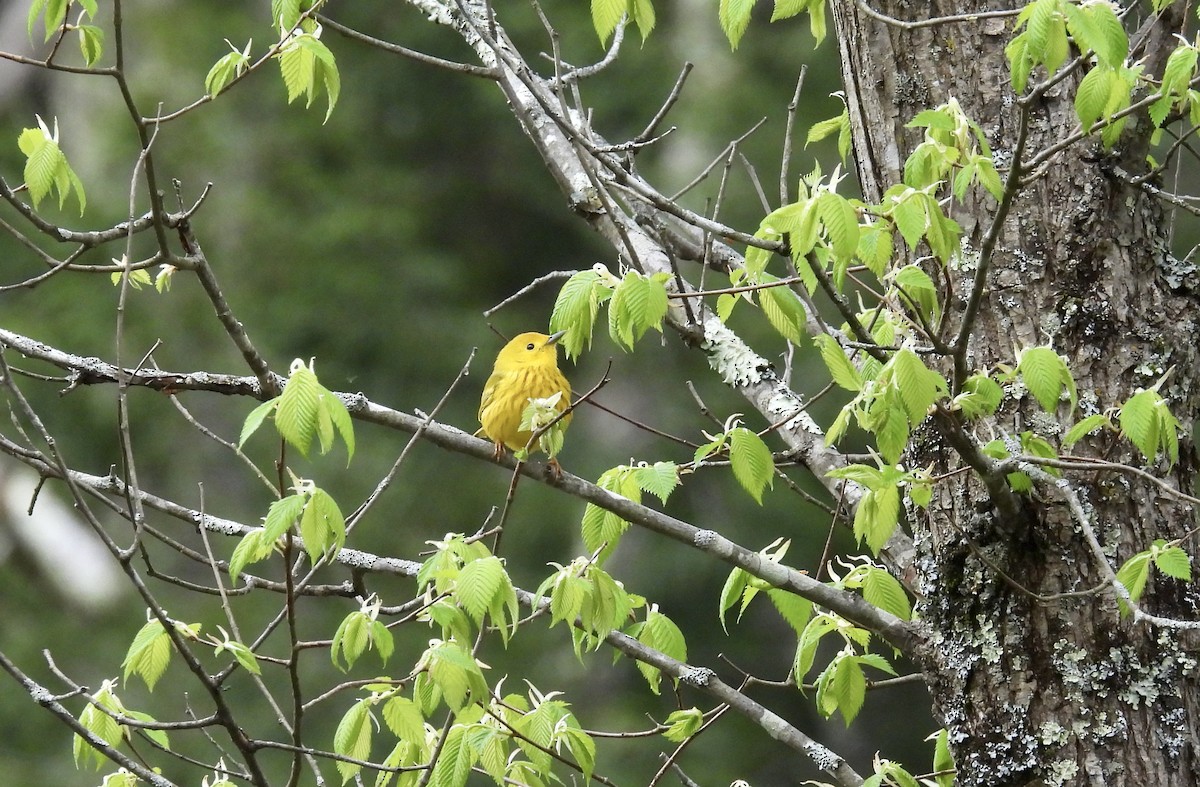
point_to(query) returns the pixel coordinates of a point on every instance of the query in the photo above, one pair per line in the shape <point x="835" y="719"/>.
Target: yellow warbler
<point x="527" y="368"/>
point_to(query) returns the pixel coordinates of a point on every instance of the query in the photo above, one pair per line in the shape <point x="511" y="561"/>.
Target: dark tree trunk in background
<point x="1037" y="687"/>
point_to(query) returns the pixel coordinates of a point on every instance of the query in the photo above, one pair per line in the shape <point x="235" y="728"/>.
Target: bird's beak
<point x="554" y="337"/>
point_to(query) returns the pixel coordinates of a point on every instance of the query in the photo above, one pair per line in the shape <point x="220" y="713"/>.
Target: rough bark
<point x="1037" y="687"/>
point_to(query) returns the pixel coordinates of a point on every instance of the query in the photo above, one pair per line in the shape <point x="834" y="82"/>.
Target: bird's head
<point x="530" y="349"/>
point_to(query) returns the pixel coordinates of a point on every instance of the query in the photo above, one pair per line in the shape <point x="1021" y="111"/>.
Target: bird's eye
<point x="529" y="346"/>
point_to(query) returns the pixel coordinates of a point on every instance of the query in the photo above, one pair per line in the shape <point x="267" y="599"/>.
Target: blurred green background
<point x="374" y="243"/>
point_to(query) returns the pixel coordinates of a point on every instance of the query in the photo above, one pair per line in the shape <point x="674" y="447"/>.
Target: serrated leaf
<point x="296" y="415"/>
<point x="255" y="419"/>
<point x="919" y="386"/>
<point x="1045" y="375"/>
<point x="353" y="739"/>
<point x="1085" y="427"/>
<point x="753" y="465"/>
<point x="660" y="633"/>
<point x="404" y="718"/>
<point x="796" y="610"/>
<point x="848" y="688"/>
<point x="148" y="654"/>
<point x="1092" y="96"/>
<point x="824" y="128"/>
<point x="1174" y="562"/>
<point x="734" y="16"/>
<point x="350" y="640"/>
<point x="735" y="585"/>
<point x="840" y="220"/>
<point x="251" y="549"/>
<point x="478" y="584"/>
<point x="644" y="17"/>
<point x="1133" y="575"/>
<point x="1140" y="424"/>
<point x="943" y="760"/>
<point x="877" y="516"/>
<point x="576" y="308"/>
<point x="783" y="310"/>
<point x="683" y="724"/>
<point x="841" y="370"/>
<point x="884" y="591"/>
<point x="658" y="479"/>
<point x="91" y="43"/>
<point x="606" y="15"/>
<point x="282" y="515"/>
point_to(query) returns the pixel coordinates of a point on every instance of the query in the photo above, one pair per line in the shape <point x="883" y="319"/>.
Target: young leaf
<point x="661" y="633"/>
<point x="1085" y="427"/>
<point x="783" y="310"/>
<point x="884" y="591"/>
<point x="255" y="420"/>
<point x="296" y="415"/>
<point x="1133" y="575"/>
<point x="404" y="718"/>
<point x="659" y="479"/>
<point x="1173" y="562"/>
<point x="353" y="738"/>
<point x="840" y="368"/>
<point x="1045" y="374"/>
<point x="683" y="724"/>
<point x="606" y="15"/>
<point x="148" y="654"/>
<point x="734" y="16"/>
<point x="753" y="465"/>
<point x="577" y="305"/>
<point x="253" y="547"/>
<point x="307" y="66"/>
<point x="322" y="525"/>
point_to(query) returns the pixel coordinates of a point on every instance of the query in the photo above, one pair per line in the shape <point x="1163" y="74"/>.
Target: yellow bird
<point x="527" y="368"/>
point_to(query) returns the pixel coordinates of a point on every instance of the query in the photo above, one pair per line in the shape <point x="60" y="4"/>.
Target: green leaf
<point x="734" y="16"/>
<point x="683" y="724"/>
<point x="735" y="585"/>
<point x="658" y="479"/>
<point x="638" y="304"/>
<point x="99" y="724"/>
<point x="353" y="738"/>
<point x="943" y="760"/>
<point x="606" y="15"/>
<point x="797" y="611"/>
<point x="1174" y="562"/>
<point x="1045" y="374"/>
<point x="576" y="307"/>
<point x="225" y="70"/>
<point x="884" y="591"/>
<point x="350" y="640"/>
<point x="454" y="765"/>
<point x="91" y="43"/>
<point x="148" y="654"/>
<point x="919" y="386"/>
<point x="479" y="582"/>
<point x="753" y="465"/>
<point x="1092" y="96"/>
<point x="1085" y="427"/>
<point x="282" y="515"/>
<point x="404" y="718"/>
<point x="877" y="516"/>
<point x="1133" y="575"/>
<point x="661" y="633"/>
<point x="783" y="310"/>
<point x="296" y="415"/>
<point x="980" y="397"/>
<point x="919" y="291"/>
<point x="307" y="66"/>
<point x="840" y="220"/>
<point x="840" y="368"/>
<point x="847" y="689"/>
<point x="253" y="547"/>
<point x="643" y="15"/>
<point x="1140" y="423"/>
<point x="322" y="526"/>
<point x="255" y="420"/>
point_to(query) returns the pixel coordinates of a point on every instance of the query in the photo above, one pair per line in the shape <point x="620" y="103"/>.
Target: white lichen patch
<point x="1053" y="734"/>
<point x="729" y="356"/>
<point x="783" y="403"/>
<point x="987" y="641"/>
<point x="1062" y="772"/>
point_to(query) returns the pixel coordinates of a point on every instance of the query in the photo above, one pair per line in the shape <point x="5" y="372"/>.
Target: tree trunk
<point x="1035" y="674"/>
